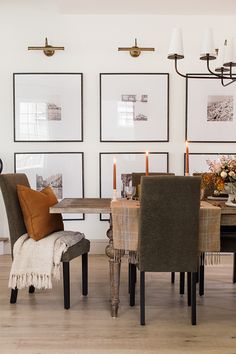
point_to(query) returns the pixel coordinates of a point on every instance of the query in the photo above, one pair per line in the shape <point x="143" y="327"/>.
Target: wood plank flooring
<point x="38" y="323"/>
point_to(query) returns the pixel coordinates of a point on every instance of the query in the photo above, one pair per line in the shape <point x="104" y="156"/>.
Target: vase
<point x="230" y="188"/>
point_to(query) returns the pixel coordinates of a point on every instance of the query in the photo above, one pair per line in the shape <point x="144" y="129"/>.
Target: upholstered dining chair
<point x="167" y="243"/>
<point x="8" y="183"/>
<point x="136" y="180"/>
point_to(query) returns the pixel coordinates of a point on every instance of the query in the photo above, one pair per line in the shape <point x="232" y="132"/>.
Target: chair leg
<point x="132" y="269"/>
<point x="85" y="274"/>
<point x="189" y="288"/>
<point x="193" y="300"/>
<point x="201" y="274"/>
<point x="234" y="269"/>
<point x="13" y="297"/>
<point x="142" y="298"/>
<point x="129" y="277"/>
<point x="66" y="284"/>
<point x="172" y="277"/>
<point x="31" y="289"/>
<point x="134" y="275"/>
<point x="181" y="282"/>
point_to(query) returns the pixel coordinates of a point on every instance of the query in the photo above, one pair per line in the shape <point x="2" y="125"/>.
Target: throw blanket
<point x="36" y="262"/>
<point x="125" y="216"/>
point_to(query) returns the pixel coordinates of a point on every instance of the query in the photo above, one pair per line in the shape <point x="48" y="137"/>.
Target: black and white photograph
<point x="53" y="181"/>
<point x="48" y="107"/>
<point x="210" y="111"/>
<point x="220" y="108"/>
<point x="56" y="170"/>
<point x="134" y="107"/>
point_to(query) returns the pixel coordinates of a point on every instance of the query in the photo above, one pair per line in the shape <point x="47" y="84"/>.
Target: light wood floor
<point x="39" y="324"/>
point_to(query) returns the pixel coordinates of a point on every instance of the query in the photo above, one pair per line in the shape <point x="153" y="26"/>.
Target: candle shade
<point x="176" y="44"/>
<point x="208" y="46"/>
<point x="114" y="174"/>
<point x="147" y="166"/>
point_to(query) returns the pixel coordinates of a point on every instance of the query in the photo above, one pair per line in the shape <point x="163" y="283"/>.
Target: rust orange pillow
<point x="35" y="209"/>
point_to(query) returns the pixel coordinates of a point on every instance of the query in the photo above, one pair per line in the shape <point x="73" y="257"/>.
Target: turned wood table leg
<point x="114" y="265"/>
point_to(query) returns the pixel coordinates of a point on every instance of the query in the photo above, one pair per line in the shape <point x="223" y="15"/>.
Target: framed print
<point x="134" y="107"/>
<point x="126" y="163"/>
<point x="48" y="107"/>
<point x="210" y="110"/>
<point x="198" y="161"/>
<point x="62" y="171"/>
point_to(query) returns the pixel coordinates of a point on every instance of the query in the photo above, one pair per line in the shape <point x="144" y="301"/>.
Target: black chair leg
<point x="172" y="277"/>
<point x="129" y="275"/>
<point x="142" y="298"/>
<point x="201" y="274"/>
<point x="189" y="288"/>
<point x="13" y="297"/>
<point x="132" y="269"/>
<point x="133" y="276"/>
<point x="234" y="269"/>
<point x="31" y="289"/>
<point x="85" y="274"/>
<point x="66" y="284"/>
<point x="193" y="300"/>
<point x="181" y="282"/>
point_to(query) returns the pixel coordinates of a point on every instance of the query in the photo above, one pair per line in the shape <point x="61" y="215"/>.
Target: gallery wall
<point x="91" y="44"/>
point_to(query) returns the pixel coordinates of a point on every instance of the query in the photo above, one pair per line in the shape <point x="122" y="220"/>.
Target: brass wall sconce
<point x="135" y="51"/>
<point x="48" y="50"/>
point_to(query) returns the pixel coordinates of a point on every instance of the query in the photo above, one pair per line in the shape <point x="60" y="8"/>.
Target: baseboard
<point x="96" y="246"/>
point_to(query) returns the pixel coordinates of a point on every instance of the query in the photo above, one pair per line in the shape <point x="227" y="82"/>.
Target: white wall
<point x="91" y="44"/>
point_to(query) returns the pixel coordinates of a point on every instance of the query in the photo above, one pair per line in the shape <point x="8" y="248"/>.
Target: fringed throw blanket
<point x="125" y="215"/>
<point x="36" y="262"/>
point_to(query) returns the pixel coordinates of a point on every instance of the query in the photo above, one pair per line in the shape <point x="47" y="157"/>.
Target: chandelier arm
<point x="220" y="76"/>
<point x="176" y="68"/>
<point x="228" y="83"/>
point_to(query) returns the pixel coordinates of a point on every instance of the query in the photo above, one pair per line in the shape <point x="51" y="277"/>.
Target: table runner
<point x="125" y="214"/>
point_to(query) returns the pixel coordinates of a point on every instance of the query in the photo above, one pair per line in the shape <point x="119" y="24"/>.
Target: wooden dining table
<point x="103" y="206"/>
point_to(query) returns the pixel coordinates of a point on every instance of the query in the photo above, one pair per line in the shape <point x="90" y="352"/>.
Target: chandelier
<point x="224" y="71"/>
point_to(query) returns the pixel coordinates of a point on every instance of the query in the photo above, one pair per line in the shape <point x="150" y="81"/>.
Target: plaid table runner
<point x="125" y="214"/>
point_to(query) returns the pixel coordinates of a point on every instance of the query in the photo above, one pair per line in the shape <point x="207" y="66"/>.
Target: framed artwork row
<point x="126" y="163"/>
<point x="134" y="107"/>
<point x="210" y="110"/>
<point x="48" y="107"/>
<point x="63" y="172"/>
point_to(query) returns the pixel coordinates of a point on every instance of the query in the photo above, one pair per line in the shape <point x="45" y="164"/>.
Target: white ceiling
<point x="162" y="7"/>
<point x="139" y="7"/>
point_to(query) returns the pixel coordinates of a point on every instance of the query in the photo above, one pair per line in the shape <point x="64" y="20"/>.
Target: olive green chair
<point x="167" y="243"/>
<point x="17" y="228"/>
<point x="136" y="180"/>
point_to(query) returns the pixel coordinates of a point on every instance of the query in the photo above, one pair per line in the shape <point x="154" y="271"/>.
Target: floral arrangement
<point x="224" y="170"/>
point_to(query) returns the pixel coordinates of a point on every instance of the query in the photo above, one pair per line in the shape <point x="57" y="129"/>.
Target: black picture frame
<point x="197" y="160"/>
<point x="126" y="163"/>
<point x="210" y="109"/>
<point x="121" y="124"/>
<point x="57" y="169"/>
<point x="48" y="107"/>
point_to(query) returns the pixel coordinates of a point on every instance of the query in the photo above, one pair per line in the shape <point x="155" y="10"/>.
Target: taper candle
<point x="186" y="159"/>
<point x="146" y="163"/>
<point x="114" y="173"/>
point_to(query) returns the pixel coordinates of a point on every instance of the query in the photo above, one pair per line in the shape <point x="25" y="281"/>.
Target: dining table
<point x="213" y="214"/>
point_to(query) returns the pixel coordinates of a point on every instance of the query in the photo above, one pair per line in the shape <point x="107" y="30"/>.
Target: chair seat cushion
<point x="35" y="209"/>
<point x="76" y="250"/>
